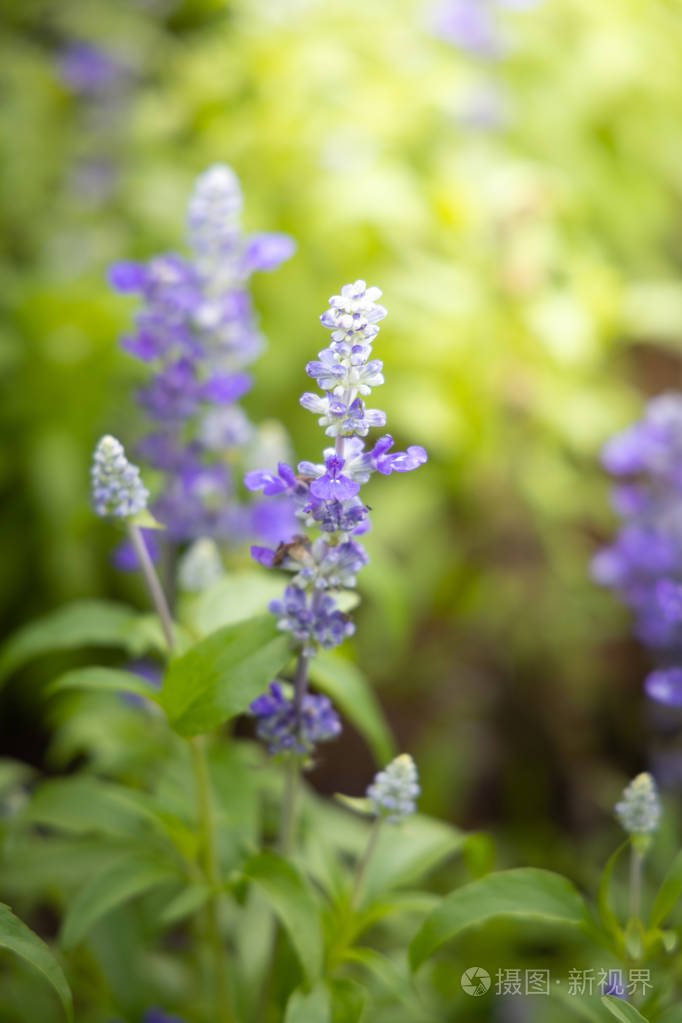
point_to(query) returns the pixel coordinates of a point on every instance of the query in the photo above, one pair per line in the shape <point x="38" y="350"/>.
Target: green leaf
<point x="623" y="1011"/>
<point x="608" y="917"/>
<point x="131" y="875"/>
<point x="291" y="898"/>
<point x="221" y="675"/>
<point x="406" y="852"/>
<point x="79" y="624"/>
<point x="236" y="598"/>
<point x="86" y="805"/>
<point x="358" y="804"/>
<point x="668" y="893"/>
<point x="18" y="938"/>
<point x="145" y="520"/>
<point x="100" y="680"/>
<point x="350" y="690"/>
<point x="313" y="1006"/>
<point x="671" y="1015"/>
<point x="186" y="903"/>
<point x="526" y="894"/>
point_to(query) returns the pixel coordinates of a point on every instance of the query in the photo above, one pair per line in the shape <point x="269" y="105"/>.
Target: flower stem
<point x="636" y="860"/>
<point x="153" y="585"/>
<point x="292" y="780"/>
<point x="211" y="868"/>
<point x="363" y="865"/>
<point x="212" y="872"/>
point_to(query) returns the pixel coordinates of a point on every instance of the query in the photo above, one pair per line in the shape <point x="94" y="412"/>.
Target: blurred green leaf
<point x="133" y="874"/>
<point x="525" y="894"/>
<point x="96" y="679"/>
<point x="623" y="1011"/>
<point x="220" y="676"/>
<point x="236" y="598"/>
<point x="407" y="851"/>
<point x="351" y="691"/>
<point x="608" y="917"/>
<point x="80" y="624"/>
<point x="668" y="894"/>
<point x="313" y="1006"/>
<point x="18" y="938"/>
<point x="291" y="898"/>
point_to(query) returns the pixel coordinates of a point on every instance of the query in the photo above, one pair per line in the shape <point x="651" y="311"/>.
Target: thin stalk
<point x="292" y="784"/>
<point x="211" y="868"/>
<point x="212" y="872"/>
<point x="636" y="861"/>
<point x="153" y="585"/>
<point x="338" y="446"/>
<point x="363" y="865"/>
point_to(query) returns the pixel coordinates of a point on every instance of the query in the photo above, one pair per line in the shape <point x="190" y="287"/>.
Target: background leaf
<point x="96" y="679"/>
<point x="221" y="675"/>
<point x="523" y="894"/>
<point x="623" y="1011"/>
<point x="668" y="893"/>
<point x="292" y="900"/>
<point x="132" y="875"/>
<point x="79" y="624"/>
<point x="313" y="1006"/>
<point x="351" y="691"/>
<point x="20" y="939"/>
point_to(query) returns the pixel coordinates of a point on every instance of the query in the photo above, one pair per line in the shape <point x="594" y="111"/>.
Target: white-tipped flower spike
<point x="214" y="210"/>
<point x="639" y="810"/>
<point x="200" y="566"/>
<point x="117" y="490"/>
<point x="394" y="791"/>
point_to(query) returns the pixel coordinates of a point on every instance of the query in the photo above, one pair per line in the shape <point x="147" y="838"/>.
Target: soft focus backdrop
<point x="513" y="185"/>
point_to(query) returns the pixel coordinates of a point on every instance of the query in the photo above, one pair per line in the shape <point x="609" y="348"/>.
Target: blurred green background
<point x="522" y="217"/>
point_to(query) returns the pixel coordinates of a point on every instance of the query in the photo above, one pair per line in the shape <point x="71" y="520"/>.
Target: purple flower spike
<point x="326" y="497"/>
<point x="197" y="331"/>
<point x="334" y="486"/>
<point x="285" y="731"/>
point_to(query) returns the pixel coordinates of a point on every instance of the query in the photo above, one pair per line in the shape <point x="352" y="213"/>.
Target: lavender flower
<point x="474" y="25"/>
<point x="286" y="729"/>
<point x="639" y="810"/>
<point x="327" y="494"/>
<point x="117" y="490"/>
<point x="197" y="331"/>
<point x="644" y="563"/>
<point x="394" y="791"/>
<point x="88" y="69"/>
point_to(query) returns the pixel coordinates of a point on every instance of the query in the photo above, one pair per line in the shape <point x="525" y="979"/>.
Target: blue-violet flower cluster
<point x="198" y="332"/>
<point x="639" y="810"/>
<point x="327" y="494"/>
<point x="394" y="791"/>
<point x="644" y="564"/>
<point x="117" y="490"/>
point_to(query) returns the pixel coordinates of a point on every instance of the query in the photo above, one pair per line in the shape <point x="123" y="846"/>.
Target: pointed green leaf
<point x="608" y="917"/>
<point x="623" y="1011"/>
<point x="313" y="1006"/>
<point x="82" y="804"/>
<point x="95" y="679"/>
<point x="668" y="893"/>
<point x="186" y="903"/>
<point x="220" y="676"/>
<point x="526" y="894"/>
<point x="236" y="598"/>
<point x="406" y="852"/>
<point x="18" y="938"/>
<point x="350" y="690"/>
<point x="79" y="624"/>
<point x="290" y="896"/>
<point x="129" y="876"/>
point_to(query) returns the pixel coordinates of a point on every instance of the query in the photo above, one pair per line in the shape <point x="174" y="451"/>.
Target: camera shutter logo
<point x="475" y="981"/>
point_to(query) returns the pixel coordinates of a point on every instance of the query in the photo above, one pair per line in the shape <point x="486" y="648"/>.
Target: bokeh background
<point x="514" y="188"/>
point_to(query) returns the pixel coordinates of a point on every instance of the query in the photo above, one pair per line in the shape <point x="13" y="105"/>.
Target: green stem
<point x="636" y="860"/>
<point x="153" y="585"/>
<point x="211" y="868"/>
<point x="212" y="871"/>
<point x="361" y="875"/>
<point x="292" y="784"/>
